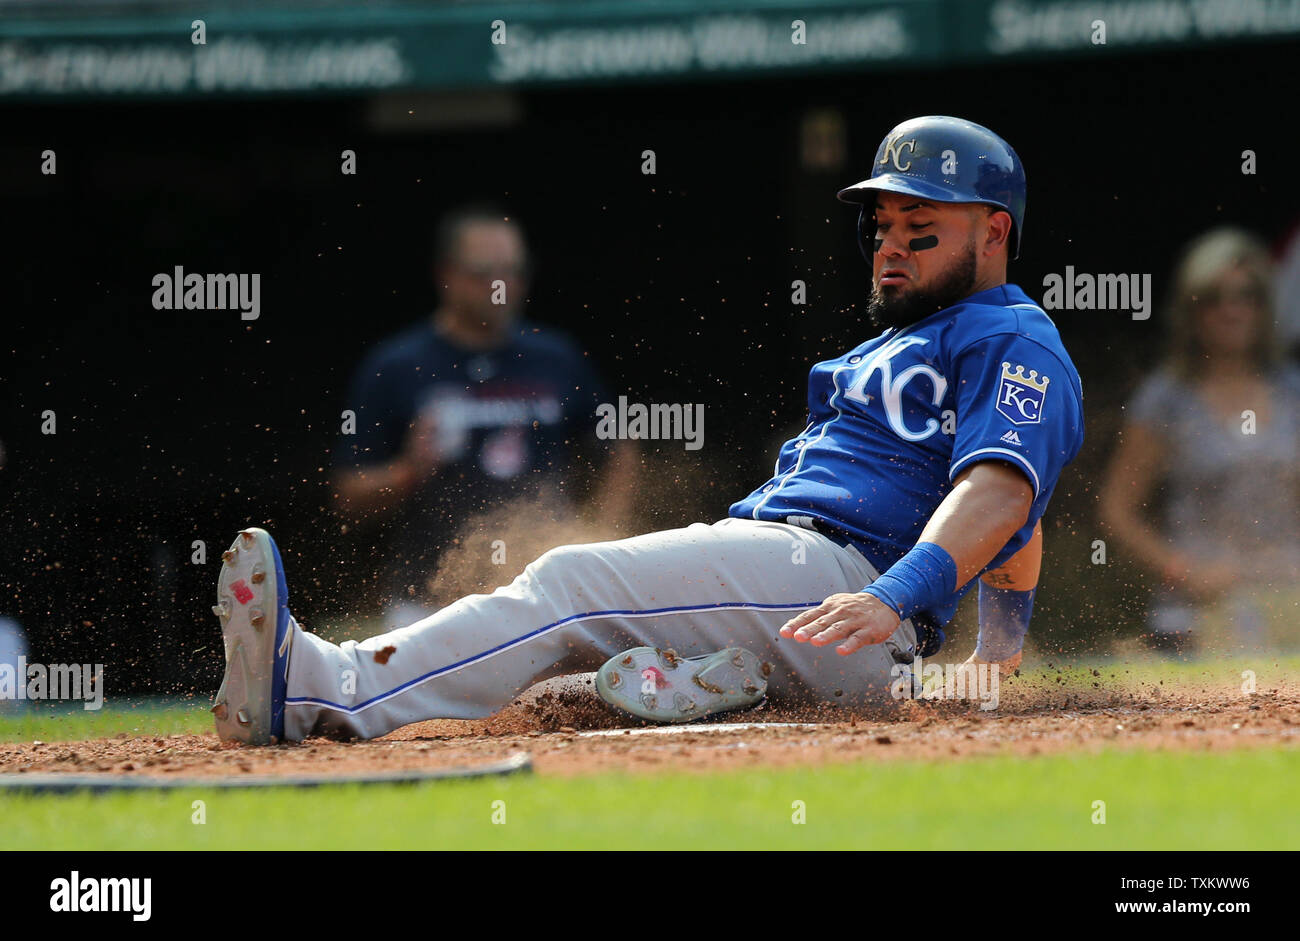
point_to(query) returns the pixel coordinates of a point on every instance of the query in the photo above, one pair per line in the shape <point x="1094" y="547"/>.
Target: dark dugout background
<point x="183" y="425"/>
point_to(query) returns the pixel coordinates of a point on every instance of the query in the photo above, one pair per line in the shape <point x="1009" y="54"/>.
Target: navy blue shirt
<point x="894" y="420"/>
<point x="510" y="422"/>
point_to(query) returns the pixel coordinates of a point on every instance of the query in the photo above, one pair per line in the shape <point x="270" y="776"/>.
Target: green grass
<point x="1153" y="801"/>
<point x="1067" y="673"/>
<point x="1269" y="668"/>
<point x="64" y="722"/>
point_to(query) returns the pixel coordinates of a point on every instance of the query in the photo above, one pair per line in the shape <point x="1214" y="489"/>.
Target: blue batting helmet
<point x="946" y="160"/>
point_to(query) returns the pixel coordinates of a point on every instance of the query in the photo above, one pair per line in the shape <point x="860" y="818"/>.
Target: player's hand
<point x="856" y="619"/>
<point x="1005" y="667"/>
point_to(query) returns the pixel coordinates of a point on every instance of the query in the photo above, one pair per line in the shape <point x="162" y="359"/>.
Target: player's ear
<point x="997" y="230"/>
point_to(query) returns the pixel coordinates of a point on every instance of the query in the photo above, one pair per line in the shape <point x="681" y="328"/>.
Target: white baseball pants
<point x="696" y="590"/>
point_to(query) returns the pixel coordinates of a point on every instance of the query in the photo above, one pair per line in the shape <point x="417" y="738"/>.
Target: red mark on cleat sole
<point x="243" y="594"/>
<point x="653" y="673"/>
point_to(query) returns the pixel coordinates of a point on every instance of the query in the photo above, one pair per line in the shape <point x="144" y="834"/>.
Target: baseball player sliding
<point x="930" y="455"/>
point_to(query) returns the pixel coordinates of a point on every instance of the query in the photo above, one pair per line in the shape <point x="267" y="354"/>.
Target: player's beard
<point x="893" y="308"/>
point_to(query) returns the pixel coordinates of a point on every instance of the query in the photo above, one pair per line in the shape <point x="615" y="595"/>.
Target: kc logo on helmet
<point x="894" y="151"/>
<point x="1021" y="397"/>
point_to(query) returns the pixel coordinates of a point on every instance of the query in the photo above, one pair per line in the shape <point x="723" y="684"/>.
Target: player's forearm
<point x="986" y="507"/>
<point x="1004" y="622"/>
<point x="988" y="504"/>
<point x="1006" y="602"/>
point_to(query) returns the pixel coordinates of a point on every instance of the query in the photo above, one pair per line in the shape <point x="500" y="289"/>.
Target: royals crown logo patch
<point x="1021" y="397"/>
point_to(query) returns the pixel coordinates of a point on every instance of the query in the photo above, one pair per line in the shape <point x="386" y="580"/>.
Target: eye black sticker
<point x="924" y="242"/>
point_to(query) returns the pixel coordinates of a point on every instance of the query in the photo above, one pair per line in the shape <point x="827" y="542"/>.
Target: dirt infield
<point x="568" y="731"/>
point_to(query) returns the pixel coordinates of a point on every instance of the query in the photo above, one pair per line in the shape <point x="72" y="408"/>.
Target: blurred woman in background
<point x="1217" y="427"/>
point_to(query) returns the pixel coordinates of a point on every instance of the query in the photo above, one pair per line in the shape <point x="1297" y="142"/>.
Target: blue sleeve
<point x="1019" y="403"/>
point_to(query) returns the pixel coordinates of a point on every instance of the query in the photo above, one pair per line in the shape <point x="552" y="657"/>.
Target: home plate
<point x="687" y="727"/>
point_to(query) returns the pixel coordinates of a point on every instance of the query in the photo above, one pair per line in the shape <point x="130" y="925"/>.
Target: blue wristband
<point x="924" y="579"/>
<point x="1004" y="621"/>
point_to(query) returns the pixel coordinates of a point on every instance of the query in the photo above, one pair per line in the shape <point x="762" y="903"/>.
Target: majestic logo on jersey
<point x="894" y="151"/>
<point x="891" y="386"/>
<point x="1021" y="397"/>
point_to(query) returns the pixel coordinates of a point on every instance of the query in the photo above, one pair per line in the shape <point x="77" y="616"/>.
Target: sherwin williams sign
<point x="128" y="49"/>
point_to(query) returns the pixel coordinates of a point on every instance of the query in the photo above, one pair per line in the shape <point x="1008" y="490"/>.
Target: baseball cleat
<point x="250" y="704"/>
<point x="659" y="686"/>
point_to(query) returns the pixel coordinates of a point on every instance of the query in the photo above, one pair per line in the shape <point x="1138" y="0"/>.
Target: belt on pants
<point x="929" y="634"/>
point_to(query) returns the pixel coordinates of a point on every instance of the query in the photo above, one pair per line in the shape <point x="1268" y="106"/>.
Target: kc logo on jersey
<point x="893" y="387"/>
<point x="1021" y="397"/>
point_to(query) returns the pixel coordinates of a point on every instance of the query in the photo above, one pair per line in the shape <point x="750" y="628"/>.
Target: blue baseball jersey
<point x="892" y="422"/>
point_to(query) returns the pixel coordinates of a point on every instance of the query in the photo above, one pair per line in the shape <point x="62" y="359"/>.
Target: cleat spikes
<point x="707" y="686"/>
<point x="684" y="689"/>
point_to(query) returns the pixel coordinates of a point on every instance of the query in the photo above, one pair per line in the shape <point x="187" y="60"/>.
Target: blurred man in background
<point x="1218" y="425"/>
<point x="469" y="410"/>
<point x="13" y="648"/>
